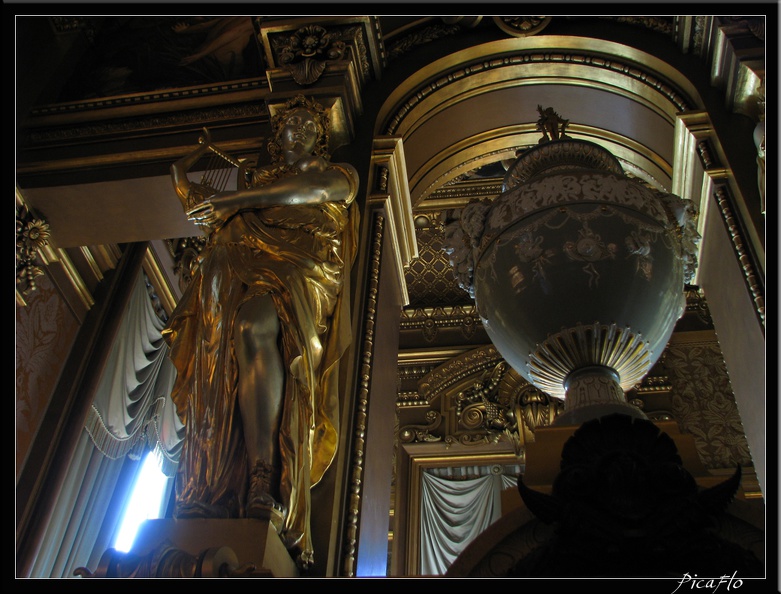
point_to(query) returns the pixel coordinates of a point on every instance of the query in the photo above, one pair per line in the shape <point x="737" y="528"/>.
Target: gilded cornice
<point x="431" y="320"/>
<point x="458" y="194"/>
<point x="739" y="69"/>
<point x="461" y="158"/>
<point x="71" y="136"/>
<point x="628" y="74"/>
<point x="427" y="30"/>
<point x="47" y="134"/>
<point x="150" y="102"/>
<point x="430" y="357"/>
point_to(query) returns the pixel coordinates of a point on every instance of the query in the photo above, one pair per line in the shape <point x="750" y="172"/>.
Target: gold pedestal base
<point x="254" y="542"/>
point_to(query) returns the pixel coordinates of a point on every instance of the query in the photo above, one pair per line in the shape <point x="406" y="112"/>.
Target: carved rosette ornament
<point x="522" y="26"/>
<point x="305" y="52"/>
<point x="577" y="270"/>
<point x="32" y="234"/>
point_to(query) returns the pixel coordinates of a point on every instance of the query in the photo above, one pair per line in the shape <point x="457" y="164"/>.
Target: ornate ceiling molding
<point x="637" y="68"/>
<point x="500" y="71"/>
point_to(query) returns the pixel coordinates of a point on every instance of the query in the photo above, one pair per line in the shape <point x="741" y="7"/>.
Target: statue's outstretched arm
<point x="332" y="183"/>
<point x="179" y="169"/>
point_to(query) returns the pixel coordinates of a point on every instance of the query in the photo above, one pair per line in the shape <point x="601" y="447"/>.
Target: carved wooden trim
<point x="352" y="519"/>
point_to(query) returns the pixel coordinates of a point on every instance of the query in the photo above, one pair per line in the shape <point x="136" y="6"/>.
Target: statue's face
<point x="299" y="132"/>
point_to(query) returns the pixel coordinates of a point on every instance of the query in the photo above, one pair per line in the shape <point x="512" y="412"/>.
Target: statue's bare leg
<point x="261" y="392"/>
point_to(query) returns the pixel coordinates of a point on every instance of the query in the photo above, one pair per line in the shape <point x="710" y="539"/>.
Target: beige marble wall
<point x="45" y="331"/>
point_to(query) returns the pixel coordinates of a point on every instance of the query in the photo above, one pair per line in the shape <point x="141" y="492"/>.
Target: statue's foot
<point x="265" y="507"/>
<point x="261" y="503"/>
<point x="305" y="560"/>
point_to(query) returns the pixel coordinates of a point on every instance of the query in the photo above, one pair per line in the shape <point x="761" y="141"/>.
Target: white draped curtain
<point x="453" y="513"/>
<point x="133" y="408"/>
<point x="132" y="412"/>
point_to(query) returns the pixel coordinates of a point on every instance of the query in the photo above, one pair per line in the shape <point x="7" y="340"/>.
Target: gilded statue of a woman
<point x="259" y="333"/>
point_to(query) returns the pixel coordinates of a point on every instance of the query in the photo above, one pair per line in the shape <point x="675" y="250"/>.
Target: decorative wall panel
<point x="45" y="331"/>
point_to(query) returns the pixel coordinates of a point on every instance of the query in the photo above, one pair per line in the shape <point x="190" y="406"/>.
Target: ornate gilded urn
<point x="577" y="270"/>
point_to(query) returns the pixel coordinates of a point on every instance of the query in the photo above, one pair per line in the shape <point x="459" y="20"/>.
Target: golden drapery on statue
<point x="260" y="331"/>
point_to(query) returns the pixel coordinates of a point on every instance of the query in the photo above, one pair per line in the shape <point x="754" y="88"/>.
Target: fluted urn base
<point x="593" y="392"/>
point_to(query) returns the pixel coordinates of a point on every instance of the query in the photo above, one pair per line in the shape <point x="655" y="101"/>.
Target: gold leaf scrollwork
<point x="537" y="408"/>
<point x="469" y="439"/>
<point x="485" y="409"/>
<point x="422" y="433"/>
<point x="32" y="234"/>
